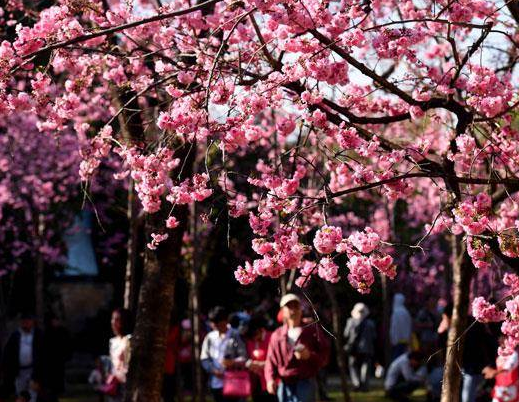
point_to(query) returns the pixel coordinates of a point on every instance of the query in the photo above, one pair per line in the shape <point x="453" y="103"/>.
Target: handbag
<point x="236" y="384"/>
<point x="111" y="386"/>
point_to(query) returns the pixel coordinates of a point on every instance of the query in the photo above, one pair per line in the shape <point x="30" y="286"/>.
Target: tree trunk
<point x="39" y="279"/>
<point x="148" y="344"/>
<point x="337" y="331"/>
<point x="156" y="299"/>
<point x="386" y="318"/>
<point x="198" y="382"/>
<point x="462" y="272"/>
<point x="130" y="282"/>
<point x="132" y="130"/>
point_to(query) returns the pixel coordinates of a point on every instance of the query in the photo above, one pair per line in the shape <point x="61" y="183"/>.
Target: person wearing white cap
<point x="295" y="355"/>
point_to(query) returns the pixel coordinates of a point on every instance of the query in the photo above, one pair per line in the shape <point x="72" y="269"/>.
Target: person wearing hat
<point x="295" y="355"/>
<point x="359" y="345"/>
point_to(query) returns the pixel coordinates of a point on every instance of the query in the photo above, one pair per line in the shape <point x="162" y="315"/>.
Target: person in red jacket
<point x="257" y="341"/>
<point x="295" y="354"/>
<point x="170" y="362"/>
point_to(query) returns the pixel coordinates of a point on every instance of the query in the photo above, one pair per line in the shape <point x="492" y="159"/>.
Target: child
<point x="97" y="377"/>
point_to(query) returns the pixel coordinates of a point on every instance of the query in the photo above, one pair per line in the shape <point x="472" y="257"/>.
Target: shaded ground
<point x="78" y="390"/>
<point x="82" y="393"/>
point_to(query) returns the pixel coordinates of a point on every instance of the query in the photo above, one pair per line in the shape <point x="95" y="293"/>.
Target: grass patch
<point x="376" y="395"/>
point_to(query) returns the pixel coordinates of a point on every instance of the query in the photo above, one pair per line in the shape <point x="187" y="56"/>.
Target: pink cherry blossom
<point x="365" y="241"/>
<point x="328" y="270"/>
<point x="172" y="222"/>
<point x="483" y="311"/>
<point x="327" y="238"/>
<point x="384" y="264"/>
<point x="361" y="275"/>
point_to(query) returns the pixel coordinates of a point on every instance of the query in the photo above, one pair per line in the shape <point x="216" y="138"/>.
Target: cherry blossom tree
<point x="377" y="99"/>
<point x="37" y="179"/>
<point x="41" y="194"/>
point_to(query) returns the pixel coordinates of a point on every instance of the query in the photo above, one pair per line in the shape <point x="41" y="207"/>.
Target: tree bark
<point x="462" y="272"/>
<point x="148" y="344"/>
<point x="337" y="331"/>
<point x="156" y="299"/>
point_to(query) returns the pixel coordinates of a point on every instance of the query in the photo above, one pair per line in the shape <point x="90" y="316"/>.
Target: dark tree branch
<point x="112" y="30"/>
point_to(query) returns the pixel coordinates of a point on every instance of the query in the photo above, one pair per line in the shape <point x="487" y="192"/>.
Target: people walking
<point x="359" y="346"/>
<point x="295" y="355"/>
<point x="400" y="329"/>
<point x="222" y="350"/>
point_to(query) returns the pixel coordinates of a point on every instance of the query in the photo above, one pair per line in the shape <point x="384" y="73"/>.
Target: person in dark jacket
<point x="22" y="360"/>
<point x="359" y="346"/>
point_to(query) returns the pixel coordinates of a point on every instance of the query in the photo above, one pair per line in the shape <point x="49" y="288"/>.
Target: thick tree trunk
<point x="337" y="330"/>
<point x="148" y="344"/>
<point x="156" y="299"/>
<point x="462" y="272"/>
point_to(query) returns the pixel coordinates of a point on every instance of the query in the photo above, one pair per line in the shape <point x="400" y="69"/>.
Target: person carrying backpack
<point x="359" y="346"/>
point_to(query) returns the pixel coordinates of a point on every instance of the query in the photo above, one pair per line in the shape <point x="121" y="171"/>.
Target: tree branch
<point x="111" y="30"/>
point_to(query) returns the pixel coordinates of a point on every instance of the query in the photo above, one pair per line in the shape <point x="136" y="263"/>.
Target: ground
<point x="82" y="394"/>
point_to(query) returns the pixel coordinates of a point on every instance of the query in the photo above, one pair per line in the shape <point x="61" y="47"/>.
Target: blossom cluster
<point x="508" y="314"/>
<point x="92" y="155"/>
<point x="151" y="174"/>
<point x="286" y="253"/>
<point x="473" y="214"/>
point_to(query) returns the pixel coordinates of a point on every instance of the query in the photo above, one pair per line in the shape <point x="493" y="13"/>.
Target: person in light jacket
<point x="405" y="374"/>
<point x="222" y="349"/>
<point x="359" y="346"/>
<point x="400" y="327"/>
